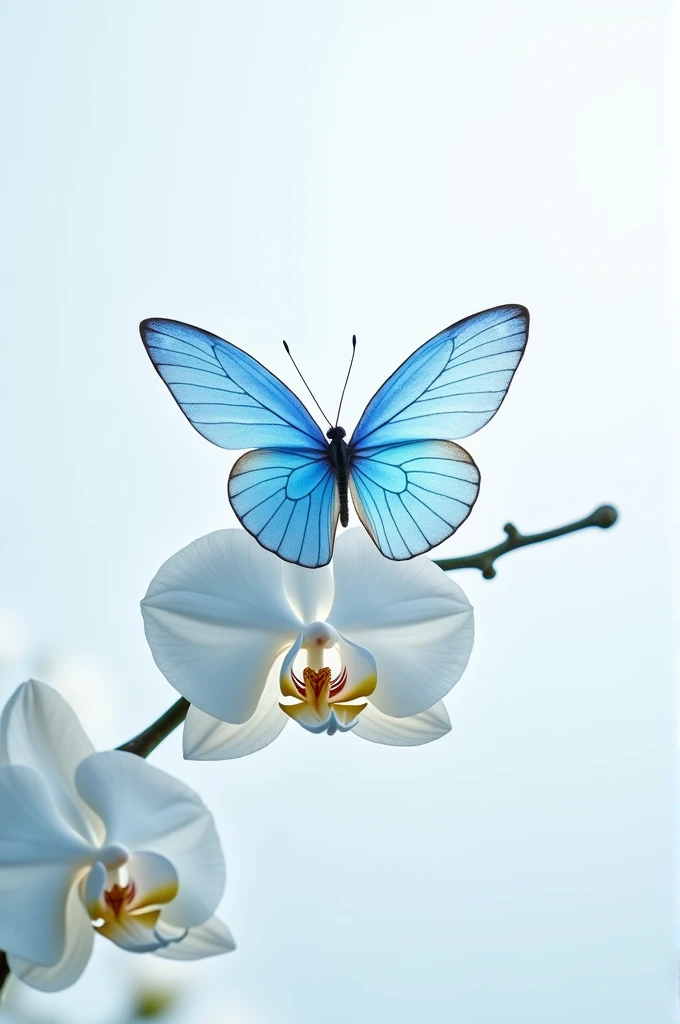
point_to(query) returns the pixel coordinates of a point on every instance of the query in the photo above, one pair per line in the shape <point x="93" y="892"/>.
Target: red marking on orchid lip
<point x="299" y="685"/>
<point x="338" y="683"/>
<point x="117" y="895"/>
<point x="317" y="680"/>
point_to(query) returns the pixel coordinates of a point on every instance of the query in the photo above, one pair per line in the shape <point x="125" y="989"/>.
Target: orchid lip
<point x="315" y="682"/>
<point x="119" y="896"/>
<point x="324" y="703"/>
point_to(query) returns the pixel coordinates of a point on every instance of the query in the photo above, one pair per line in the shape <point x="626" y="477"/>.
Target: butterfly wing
<point x="285" y="493"/>
<point x="230" y="398"/>
<point x="412" y="496"/>
<point x="452" y="385"/>
<point x="412" y="492"/>
<point x="288" y="499"/>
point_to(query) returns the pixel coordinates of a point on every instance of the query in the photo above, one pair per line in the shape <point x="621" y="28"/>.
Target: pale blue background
<point x="308" y="170"/>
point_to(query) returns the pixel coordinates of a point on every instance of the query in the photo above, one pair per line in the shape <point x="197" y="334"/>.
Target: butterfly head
<point x="335" y="432"/>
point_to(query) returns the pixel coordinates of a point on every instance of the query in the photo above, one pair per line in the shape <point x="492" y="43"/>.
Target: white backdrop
<point x="306" y="171"/>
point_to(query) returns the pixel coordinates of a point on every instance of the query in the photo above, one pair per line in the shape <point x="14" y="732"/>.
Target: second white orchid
<point x="365" y="645"/>
<point x="96" y="842"/>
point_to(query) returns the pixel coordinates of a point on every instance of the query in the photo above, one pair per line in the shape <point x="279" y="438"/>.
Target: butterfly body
<point x="340" y="458"/>
<point x="411" y="485"/>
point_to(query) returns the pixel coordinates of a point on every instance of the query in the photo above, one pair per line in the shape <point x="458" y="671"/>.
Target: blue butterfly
<point x="411" y="488"/>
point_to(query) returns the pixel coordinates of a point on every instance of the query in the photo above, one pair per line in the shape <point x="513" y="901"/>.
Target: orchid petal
<point x="73" y="961"/>
<point x="208" y="939"/>
<point x="148" y="810"/>
<point x="39" y="857"/>
<point x="39" y="729"/>
<point x="403" y="732"/>
<point x="309" y="591"/>
<point x="361" y="670"/>
<point x="216" y="616"/>
<point x="208" y="739"/>
<point x="417" y="623"/>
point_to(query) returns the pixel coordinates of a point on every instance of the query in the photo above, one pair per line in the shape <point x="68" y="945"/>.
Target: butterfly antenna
<point x="285" y="345"/>
<point x="354" y="349"/>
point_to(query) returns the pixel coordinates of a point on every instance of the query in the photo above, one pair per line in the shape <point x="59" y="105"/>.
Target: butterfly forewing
<point x="228" y="396"/>
<point x="452" y="385"/>
<point x="286" y="496"/>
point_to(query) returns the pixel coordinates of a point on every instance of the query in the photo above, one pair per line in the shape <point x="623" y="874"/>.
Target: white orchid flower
<point x="96" y="842"/>
<point x="228" y="624"/>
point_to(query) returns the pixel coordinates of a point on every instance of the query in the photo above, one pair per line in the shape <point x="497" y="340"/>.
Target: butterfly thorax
<point x="339" y="454"/>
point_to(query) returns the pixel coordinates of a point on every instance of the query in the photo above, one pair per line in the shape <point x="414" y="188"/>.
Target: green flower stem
<point x="604" y="517"/>
<point x="148" y="740"/>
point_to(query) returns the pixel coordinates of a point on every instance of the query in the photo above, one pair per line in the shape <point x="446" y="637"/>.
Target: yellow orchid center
<point x="124" y="907"/>
<point x="323" y="702"/>
<point x="125" y="903"/>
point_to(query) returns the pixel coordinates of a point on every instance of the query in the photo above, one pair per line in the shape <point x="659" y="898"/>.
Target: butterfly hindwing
<point x="452" y="385"/>
<point x="288" y="499"/>
<point x="412" y="496"/>
<point x="228" y="396"/>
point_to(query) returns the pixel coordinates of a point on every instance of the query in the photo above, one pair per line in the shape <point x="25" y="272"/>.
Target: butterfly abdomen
<point x="340" y="458"/>
<point x="343" y="479"/>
